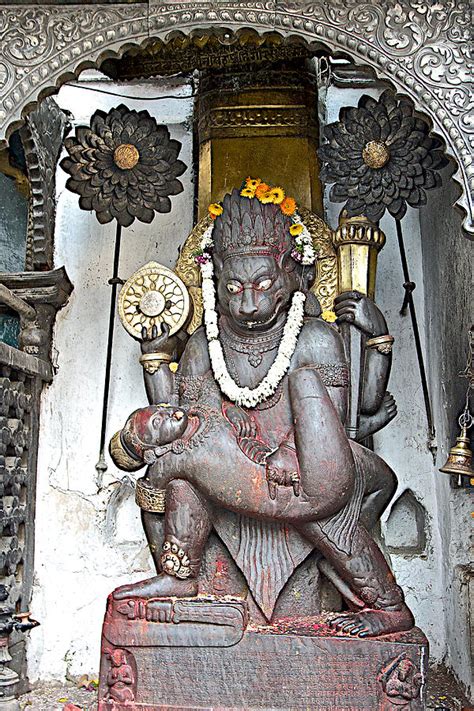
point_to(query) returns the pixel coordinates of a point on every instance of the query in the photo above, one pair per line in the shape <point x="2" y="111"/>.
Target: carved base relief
<point x="200" y="652"/>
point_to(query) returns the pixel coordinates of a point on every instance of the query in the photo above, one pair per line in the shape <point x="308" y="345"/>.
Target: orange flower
<point x="252" y="183"/>
<point x="278" y="195"/>
<point x="215" y="209"/>
<point x="247" y="192"/>
<point x="261" y="189"/>
<point x="288" y="206"/>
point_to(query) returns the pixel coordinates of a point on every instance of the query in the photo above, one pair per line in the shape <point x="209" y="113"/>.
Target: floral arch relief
<point x="419" y="46"/>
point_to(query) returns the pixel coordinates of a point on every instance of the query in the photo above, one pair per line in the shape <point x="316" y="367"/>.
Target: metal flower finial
<point x="124" y="166"/>
<point x="380" y="156"/>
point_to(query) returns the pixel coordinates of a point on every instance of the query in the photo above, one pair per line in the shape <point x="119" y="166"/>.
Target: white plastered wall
<point x="88" y="536"/>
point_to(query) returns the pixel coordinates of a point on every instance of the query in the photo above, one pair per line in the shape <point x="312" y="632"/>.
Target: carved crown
<point x="250" y="226"/>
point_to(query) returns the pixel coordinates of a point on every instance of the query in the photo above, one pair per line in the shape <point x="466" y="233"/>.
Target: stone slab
<point x="293" y="664"/>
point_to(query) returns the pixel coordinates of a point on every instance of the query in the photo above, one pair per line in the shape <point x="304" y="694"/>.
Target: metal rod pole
<point x="409" y="286"/>
<point x="101" y="465"/>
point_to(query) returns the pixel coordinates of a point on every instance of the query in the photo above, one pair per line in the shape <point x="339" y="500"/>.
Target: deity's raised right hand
<point x="154" y="342"/>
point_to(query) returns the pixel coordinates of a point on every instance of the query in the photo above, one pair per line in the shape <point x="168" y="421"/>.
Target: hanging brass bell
<point x="460" y="456"/>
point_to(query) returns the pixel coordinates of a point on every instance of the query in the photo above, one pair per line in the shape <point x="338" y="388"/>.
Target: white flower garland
<point x="304" y="251"/>
<point x="248" y="397"/>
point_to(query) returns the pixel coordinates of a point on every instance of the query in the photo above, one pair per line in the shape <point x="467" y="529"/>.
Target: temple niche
<point x="244" y="582"/>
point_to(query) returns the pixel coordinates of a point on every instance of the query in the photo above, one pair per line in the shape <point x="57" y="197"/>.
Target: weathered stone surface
<point x="296" y="663"/>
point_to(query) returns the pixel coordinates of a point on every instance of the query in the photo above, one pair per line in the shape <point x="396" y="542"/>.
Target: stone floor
<point x="443" y="695"/>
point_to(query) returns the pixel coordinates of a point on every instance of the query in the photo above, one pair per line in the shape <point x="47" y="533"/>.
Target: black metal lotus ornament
<point x="124" y="166"/>
<point x="380" y="156"/>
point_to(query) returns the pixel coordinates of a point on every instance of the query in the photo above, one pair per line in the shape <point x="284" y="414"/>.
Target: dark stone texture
<point x="296" y="663"/>
<point x="13" y="222"/>
<point x="290" y="496"/>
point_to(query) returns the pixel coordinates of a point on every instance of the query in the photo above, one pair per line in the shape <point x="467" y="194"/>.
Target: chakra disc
<point x="153" y="295"/>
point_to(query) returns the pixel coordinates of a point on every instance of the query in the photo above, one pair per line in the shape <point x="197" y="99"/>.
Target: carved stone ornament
<point x="124" y="166"/>
<point x="152" y="296"/>
<point x="420" y="48"/>
<point x="380" y="156"/>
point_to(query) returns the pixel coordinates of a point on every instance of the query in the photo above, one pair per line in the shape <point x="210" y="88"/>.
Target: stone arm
<point x="320" y="346"/>
<point x="159" y="379"/>
<point x="377" y="407"/>
<point x="191" y="355"/>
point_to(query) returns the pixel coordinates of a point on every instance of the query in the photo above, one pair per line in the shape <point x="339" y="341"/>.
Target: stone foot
<point x="373" y="623"/>
<point x="160" y="586"/>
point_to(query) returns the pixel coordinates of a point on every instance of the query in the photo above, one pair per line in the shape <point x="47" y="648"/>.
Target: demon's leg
<point x="187" y="527"/>
<point x="380" y="484"/>
<point x="371" y="582"/>
<point x="325" y="458"/>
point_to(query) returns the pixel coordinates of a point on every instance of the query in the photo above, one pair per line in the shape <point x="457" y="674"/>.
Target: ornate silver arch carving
<point x="420" y="46"/>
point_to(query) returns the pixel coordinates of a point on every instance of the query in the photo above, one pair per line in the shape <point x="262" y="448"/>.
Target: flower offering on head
<point x="277" y="195"/>
<point x="252" y="183"/>
<point x="261" y="189"/>
<point x="288" y="206"/>
<point x="296" y="229"/>
<point x="253" y="188"/>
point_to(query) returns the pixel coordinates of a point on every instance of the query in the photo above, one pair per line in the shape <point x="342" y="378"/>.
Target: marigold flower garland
<point x="303" y="252"/>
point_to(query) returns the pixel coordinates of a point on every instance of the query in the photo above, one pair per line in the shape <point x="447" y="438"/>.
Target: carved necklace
<point x="267" y="387"/>
<point x="268" y="402"/>
<point x="254" y="347"/>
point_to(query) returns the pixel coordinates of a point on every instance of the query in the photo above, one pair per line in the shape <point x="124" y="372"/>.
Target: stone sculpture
<point x="246" y="436"/>
<point x="287" y="459"/>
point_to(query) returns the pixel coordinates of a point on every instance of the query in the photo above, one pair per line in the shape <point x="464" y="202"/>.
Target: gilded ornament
<point x="382" y="344"/>
<point x="148" y="498"/>
<point x="126" y="156"/>
<point x="375" y="154"/>
<point x="120" y="457"/>
<point x="152" y="296"/>
<point x="174" y="561"/>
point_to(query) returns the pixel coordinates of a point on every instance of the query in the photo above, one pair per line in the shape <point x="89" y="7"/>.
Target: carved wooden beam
<point x="42" y="138"/>
<point x="46" y="292"/>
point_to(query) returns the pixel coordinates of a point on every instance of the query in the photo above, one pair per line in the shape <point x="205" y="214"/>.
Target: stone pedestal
<point x="200" y="653"/>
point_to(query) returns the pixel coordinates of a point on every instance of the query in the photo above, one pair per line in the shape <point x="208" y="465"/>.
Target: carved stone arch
<point x="420" y="48"/>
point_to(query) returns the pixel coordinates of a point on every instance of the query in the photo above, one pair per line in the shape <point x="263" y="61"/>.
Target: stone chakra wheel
<point x="153" y="295"/>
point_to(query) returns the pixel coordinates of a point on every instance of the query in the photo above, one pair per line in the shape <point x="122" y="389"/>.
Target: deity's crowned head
<point x="256" y="258"/>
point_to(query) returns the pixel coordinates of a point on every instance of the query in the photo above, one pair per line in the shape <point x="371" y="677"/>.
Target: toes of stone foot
<point x="348" y="626"/>
<point x="337" y="621"/>
<point x="364" y="633"/>
<point x="356" y="631"/>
